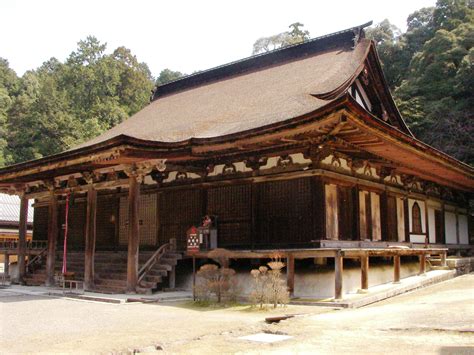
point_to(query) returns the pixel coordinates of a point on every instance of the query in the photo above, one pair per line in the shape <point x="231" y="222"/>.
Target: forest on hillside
<point x="429" y="68"/>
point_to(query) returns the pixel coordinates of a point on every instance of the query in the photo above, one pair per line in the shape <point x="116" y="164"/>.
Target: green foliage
<point x="167" y="75"/>
<point x="296" y="35"/>
<point x="59" y="105"/>
<point x="430" y="70"/>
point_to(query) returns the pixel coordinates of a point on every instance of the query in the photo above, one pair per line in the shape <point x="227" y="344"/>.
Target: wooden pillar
<point x="90" y="238"/>
<point x="422" y="259"/>
<point x="6" y="263"/>
<point x="172" y="278"/>
<point x="364" y="272"/>
<point x="290" y="274"/>
<point x="338" y="271"/>
<point x="396" y="269"/>
<point x="443" y="259"/>
<point x="133" y="232"/>
<point x="22" y="238"/>
<point x="52" y="238"/>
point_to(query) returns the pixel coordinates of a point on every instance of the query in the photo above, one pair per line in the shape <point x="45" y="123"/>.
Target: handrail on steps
<point x="157" y="255"/>
<point x="36" y="259"/>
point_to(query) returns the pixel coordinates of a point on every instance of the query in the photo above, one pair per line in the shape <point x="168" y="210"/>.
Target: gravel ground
<point x="437" y="319"/>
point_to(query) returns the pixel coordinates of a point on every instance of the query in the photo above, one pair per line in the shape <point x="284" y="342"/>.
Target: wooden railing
<point x="36" y="261"/>
<point x="157" y="255"/>
<point x="12" y="244"/>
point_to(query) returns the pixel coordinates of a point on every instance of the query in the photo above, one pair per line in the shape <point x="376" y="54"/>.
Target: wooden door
<point x="284" y="213"/>
<point x="439" y="227"/>
<point x="391" y="222"/>
<point x="345" y="210"/>
<point x="232" y="205"/>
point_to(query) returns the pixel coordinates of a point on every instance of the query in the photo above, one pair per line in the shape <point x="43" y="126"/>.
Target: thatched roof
<point x="248" y="94"/>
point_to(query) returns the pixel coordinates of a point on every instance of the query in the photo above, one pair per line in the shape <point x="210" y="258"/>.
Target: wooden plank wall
<point x="40" y="225"/>
<point x="179" y="210"/>
<point x="233" y="206"/>
<point x="284" y="213"/>
<point x="107" y="220"/>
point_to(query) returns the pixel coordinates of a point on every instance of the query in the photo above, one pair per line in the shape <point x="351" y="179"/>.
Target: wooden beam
<point x="90" y="238"/>
<point x="443" y="259"/>
<point x="338" y="271"/>
<point x="396" y="269"/>
<point x="290" y="274"/>
<point x="364" y="272"/>
<point x="22" y="238"/>
<point x="6" y="263"/>
<point x="422" y="259"/>
<point x="133" y="232"/>
<point x="52" y="238"/>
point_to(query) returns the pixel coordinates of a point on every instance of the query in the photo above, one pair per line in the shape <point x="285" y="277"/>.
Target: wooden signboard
<point x="192" y="239"/>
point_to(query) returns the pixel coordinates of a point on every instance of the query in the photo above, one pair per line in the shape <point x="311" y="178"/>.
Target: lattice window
<point x="232" y="206"/>
<point x="284" y="213"/>
<point x="147" y="220"/>
<point x="416" y="219"/>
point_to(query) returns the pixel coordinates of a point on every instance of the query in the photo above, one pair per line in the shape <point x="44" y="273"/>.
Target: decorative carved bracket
<point x="255" y="163"/>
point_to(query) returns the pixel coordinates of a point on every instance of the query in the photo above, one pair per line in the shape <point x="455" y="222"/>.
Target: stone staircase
<point x="111" y="271"/>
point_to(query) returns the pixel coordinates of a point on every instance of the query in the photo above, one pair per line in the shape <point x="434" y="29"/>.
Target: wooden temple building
<point x="300" y="150"/>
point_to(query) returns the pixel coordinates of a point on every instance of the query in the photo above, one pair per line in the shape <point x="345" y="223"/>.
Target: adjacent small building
<point x="300" y="150"/>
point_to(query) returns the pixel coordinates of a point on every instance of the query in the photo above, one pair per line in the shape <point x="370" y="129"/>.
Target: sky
<point x="180" y="35"/>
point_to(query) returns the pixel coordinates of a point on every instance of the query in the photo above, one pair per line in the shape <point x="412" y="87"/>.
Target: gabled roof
<point x="251" y="93"/>
<point x="10" y="209"/>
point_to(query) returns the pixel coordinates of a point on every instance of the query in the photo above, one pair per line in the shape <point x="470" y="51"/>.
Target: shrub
<point x="269" y="286"/>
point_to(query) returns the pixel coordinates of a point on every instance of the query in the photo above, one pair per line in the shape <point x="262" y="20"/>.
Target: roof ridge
<point x="174" y="86"/>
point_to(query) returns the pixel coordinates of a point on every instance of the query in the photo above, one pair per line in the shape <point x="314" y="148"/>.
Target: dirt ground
<point x="438" y="319"/>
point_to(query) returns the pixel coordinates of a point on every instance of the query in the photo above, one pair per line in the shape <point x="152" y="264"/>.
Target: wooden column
<point x="364" y="272"/>
<point x="22" y="238"/>
<point x="6" y="263"/>
<point x="422" y="259"/>
<point x="133" y="232"/>
<point x="396" y="269"/>
<point x="172" y="278"/>
<point x="90" y="238"/>
<point x="443" y="259"/>
<point x="290" y="274"/>
<point x="52" y="238"/>
<point x="338" y="271"/>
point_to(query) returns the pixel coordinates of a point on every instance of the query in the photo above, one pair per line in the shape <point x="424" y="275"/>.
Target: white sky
<point x="180" y="35"/>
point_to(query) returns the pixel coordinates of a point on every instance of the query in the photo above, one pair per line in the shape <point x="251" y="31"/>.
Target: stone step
<point x="148" y="284"/>
<point x="155" y="272"/>
<point x="165" y="267"/>
<point x="153" y="278"/>
<point x="112" y="275"/>
<point x="169" y="261"/>
<point x="177" y="256"/>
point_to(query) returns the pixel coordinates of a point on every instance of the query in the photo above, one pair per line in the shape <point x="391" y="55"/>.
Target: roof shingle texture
<point x="10" y="209"/>
<point x="244" y="101"/>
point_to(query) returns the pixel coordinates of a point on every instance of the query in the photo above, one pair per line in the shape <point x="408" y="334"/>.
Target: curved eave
<point x="412" y="148"/>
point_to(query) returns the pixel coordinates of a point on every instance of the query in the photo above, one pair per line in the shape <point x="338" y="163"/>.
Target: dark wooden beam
<point x="22" y="238"/>
<point x="364" y="272"/>
<point x="133" y="232"/>
<point x="338" y="271"/>
<point x="290" y="273"/>
<point x="90" y="238"/>
<point x="52" y="238"/>
<point x="396" y="269"/>
<point x="422" y="259"/>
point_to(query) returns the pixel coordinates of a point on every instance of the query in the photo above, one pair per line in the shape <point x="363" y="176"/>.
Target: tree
<point x="392" y="52"/>
<point x="168" y="75"/>
<point x="296" y="35"/>
<point x="8" y="89"/>
<point x="430" y="70"/>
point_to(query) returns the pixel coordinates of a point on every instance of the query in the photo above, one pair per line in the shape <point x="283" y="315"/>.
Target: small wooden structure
<point x="299" y="149"/>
